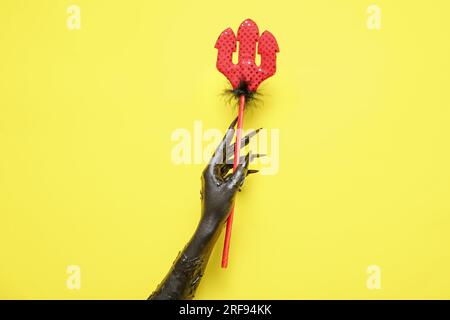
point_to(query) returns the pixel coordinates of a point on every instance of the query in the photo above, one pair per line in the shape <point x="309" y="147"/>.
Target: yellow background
<point x="86" y="177"/>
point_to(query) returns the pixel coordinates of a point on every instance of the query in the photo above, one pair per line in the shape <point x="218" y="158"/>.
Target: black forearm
<point x="184" y="277"/>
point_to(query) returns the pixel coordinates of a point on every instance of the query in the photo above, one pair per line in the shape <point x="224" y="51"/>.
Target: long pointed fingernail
<point x="233" y="123"/>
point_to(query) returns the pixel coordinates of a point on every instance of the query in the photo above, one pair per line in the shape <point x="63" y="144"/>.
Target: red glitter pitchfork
<point x="245" y="73"/>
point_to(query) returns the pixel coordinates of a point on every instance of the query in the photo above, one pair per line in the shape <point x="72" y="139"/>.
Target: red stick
<point x="237" y="148"/>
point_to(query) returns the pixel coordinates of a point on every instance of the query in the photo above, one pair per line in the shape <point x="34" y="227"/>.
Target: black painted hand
<point x="219" y="188"/>
<point x="219" y="185"/>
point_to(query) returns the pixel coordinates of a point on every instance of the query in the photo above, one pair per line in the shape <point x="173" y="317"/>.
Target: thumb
<point x="239" y="175"/>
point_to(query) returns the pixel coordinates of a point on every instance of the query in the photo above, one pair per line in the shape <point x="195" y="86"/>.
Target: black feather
<point x="233" y="95"/>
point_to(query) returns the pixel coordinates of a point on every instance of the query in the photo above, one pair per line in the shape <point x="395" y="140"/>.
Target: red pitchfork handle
<point x="237" y="148"/>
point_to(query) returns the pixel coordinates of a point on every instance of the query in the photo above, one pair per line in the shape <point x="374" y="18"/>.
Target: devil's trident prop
<point x="245" y="77"/>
